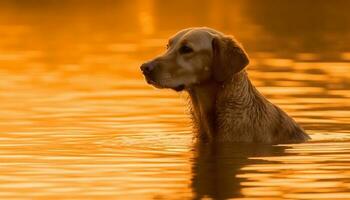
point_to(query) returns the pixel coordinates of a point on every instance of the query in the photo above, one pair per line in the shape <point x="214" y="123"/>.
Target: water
<point x="78" y="121"/>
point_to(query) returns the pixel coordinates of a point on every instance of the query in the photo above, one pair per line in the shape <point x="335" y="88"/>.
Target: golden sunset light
<point x="106" y="99"/>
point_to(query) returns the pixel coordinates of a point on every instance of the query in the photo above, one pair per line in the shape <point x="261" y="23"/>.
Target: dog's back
<point x="244" y="115"/>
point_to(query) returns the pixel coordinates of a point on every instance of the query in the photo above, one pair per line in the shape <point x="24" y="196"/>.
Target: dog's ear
<point x="228" y="58"/>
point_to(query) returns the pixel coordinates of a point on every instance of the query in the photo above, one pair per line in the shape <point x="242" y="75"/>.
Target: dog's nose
<point x="146" y="68"/>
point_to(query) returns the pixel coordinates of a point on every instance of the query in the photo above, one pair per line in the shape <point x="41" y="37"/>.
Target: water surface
<point x="78" y="121"/>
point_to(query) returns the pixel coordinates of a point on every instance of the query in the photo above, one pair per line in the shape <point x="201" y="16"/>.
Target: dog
<point x="225" y="106"/>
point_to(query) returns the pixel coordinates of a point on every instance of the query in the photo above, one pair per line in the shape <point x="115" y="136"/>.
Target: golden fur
<point x="225" y="105"/>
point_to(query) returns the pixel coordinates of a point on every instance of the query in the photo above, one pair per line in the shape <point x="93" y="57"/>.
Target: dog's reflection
<point x="216" y="166"/>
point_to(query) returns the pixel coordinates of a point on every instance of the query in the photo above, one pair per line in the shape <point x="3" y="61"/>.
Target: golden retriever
<point x="225" y="105"/>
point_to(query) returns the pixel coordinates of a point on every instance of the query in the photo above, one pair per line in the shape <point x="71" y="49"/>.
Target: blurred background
<point x="78" y="121"/>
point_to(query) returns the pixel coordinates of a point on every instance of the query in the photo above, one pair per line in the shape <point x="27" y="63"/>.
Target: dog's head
<point x="194" y="56"/>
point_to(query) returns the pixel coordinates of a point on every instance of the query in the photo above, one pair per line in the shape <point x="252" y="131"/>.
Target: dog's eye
<point x="185" y="49"/>
<point x="167" y="46"/>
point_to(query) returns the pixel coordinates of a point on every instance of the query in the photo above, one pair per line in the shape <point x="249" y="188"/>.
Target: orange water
<point x="77" y="120"/>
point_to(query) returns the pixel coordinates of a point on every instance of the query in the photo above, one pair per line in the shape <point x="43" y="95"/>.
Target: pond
<point x="78" y="121"/>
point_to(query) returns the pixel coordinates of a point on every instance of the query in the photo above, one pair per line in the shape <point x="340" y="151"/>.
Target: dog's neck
<point x="203" y="97"/>
<point x="204" y="100"/>
<point x="240" y="92"/>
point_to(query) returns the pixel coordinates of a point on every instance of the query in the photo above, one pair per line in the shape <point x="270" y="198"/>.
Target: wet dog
<point x="225" y="106"/>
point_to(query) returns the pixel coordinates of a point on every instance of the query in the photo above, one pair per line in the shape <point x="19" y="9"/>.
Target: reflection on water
<point x="77" y="120"/>
<point x="217" y="170"/>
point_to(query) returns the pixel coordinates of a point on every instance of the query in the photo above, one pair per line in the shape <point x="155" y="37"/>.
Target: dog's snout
<point x="146" y="68"/>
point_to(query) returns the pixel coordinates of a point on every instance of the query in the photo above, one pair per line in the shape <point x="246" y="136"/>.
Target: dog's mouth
<point x="156" y="84"/>
<point x="179" y="88"/>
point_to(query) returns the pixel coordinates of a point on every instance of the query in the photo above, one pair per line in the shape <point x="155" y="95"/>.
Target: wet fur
<point x="225" y="106"/>
<point x="237" y="112"/>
